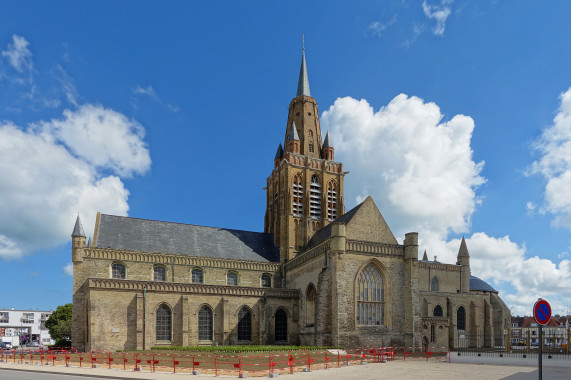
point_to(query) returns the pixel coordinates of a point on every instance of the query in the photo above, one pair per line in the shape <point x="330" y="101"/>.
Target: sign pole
<point x="540" y="351"/>
<point x="542" y="315"/>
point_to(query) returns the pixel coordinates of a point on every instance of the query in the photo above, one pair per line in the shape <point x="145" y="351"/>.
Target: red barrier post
<point x="193" y="364"/>
<point x="290" y="363"/>
<point x="215" y="365"/>
<point x="80" y="360"/>
<point x="136" y="362"/>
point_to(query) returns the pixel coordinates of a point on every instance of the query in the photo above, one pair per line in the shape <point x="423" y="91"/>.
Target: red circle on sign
<point x="542" y="312"/>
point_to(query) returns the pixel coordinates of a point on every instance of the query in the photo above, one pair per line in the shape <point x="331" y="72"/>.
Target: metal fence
<point x="555" y="346"/>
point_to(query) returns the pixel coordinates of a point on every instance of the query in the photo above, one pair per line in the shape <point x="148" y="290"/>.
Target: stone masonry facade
<point x="317" y="275"/>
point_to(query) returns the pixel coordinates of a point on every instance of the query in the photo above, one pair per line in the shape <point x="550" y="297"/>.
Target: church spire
<point x="303" y="82"/>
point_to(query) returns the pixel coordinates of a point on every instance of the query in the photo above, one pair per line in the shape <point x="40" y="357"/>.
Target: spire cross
<point x="303" y="41"/>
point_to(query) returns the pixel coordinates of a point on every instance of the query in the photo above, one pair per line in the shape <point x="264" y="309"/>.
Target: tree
<point x="59" y="325"/>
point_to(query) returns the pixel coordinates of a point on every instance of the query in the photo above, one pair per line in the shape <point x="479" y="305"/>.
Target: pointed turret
<point x="292" y="132"/>
<point x="327" y="143"/>
<point x="425" y="257"/>
<point x="279" y="154"/>
<point x="292" y="139"/>
<point x="78" y="236"/>
<point x="303" y="82"/>
<point x="78" y="229"/>
<point x="328" y="151"/>
<point x="463" y="251"/>
<point x="464" y="260"/>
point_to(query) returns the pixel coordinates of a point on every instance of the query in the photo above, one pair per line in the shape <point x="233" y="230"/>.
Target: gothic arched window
<point x="315" y="198"/>
<point x="280" y="326"/>
<point x="331" y="201"/>
<point x="370" y="297"/>
<point x="159" y="273"/>
<point x="244" y="324"/>
<point x="163" y="327"/>
<point x="197" y="276"/>
<point x="118" y="271"/>
<point x="232" y="278"/>
<point x="311" y="297"/>
<point x="438" y="311"/>
<point x="461" y="318"/>
<point x="297" y="208"/>
<point x="205" y="323"/>
<point x="434" y="284"/>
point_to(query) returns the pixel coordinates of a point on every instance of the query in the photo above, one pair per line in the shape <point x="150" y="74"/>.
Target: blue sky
<point x="454" y="115"/>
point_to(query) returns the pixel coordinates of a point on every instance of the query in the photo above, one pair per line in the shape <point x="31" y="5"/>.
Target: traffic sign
<point x="542" y="312"/>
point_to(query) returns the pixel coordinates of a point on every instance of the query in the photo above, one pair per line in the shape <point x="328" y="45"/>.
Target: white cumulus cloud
<point x="439" y="13"/>
<point x="101" y="137"/>
<point x="554" y="163"/>
<point x="67" y="270"/>
<point x="420" y="171"/>
<point x="18" y="54"/>
<point x="417" y="167"/>
<point x="54" y="169"/>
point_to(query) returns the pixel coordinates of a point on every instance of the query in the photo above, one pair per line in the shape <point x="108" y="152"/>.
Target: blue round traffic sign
<point x="542" y="312"/>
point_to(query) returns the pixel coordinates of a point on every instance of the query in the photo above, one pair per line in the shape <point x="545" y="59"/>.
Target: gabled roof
<point x="479" y="284"/>
<point x="354" y="220"/>
<point x="121" y="232"/>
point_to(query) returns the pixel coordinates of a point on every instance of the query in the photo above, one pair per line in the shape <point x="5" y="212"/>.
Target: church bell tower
<point x="304" y="192"/>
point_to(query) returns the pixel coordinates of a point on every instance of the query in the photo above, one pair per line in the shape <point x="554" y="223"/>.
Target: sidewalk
<point x="410" y="369"/>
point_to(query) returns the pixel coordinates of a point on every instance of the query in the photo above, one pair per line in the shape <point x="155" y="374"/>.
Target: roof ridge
<point x="185" y="224"/>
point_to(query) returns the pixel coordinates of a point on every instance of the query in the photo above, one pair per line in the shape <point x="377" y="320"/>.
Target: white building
<point x="25" y="326"/>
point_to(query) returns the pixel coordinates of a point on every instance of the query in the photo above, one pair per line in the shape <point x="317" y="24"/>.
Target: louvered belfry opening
<point x="315" y="198"/>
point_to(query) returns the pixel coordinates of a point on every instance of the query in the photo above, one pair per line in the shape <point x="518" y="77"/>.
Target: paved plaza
<point x="411" y="369"/>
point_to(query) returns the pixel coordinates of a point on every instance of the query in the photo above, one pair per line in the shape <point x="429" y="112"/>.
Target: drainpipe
<point x="144" y="317"/>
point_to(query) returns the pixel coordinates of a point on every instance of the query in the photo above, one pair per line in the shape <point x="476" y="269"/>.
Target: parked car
<point x="35" y="344"/>
<point x="6" y="345"/>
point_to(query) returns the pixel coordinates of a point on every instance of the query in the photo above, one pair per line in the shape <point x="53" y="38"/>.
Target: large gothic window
<point x="159" y="273"/>
<point x="244" y="324"/>
<point x="438" y="311"/>
<point x="118" y="271"/>
<point x="297" y="196"/>
<point x="434" y="284"/>
<point x="370" y="297"/>
<point x="331" y="201"/>
<point x="163" y="328"/>
<point x="315" y="198"/>
<point x="461" y="318"/>
<point x="310" y="299"/>
<point x="281" y="326"/>
<point x="205" y="323"/>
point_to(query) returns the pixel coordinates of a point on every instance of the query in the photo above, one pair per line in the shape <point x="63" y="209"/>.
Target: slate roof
<point x="78" y="228"/>
<point x="322" y="235"/>
<point x="303" y="82"/>
<point x="121" y="232"/>
<point x="478" y="284"/>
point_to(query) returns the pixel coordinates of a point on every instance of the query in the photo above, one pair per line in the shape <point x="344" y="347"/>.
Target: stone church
<point x="317" y="275"/>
